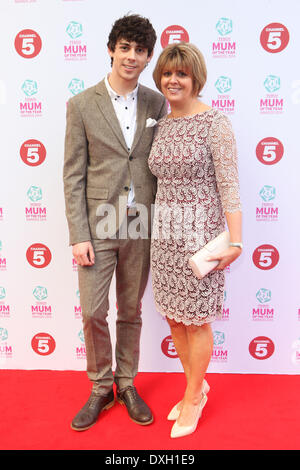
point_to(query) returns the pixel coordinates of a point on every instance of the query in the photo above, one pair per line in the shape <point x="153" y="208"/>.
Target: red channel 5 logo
<point x="269" y="151"/>
<point x="28" y="43"/>
<point x="33" y="152"/>
<point x="38" y="255"/>
<point x="261" y="347"/>
<point x="43" y="344"/>
<point x="274" y="37"/>
<point x="173" y="34"/>
<point x="265" y="257"/>
<point x="168" y="347"/>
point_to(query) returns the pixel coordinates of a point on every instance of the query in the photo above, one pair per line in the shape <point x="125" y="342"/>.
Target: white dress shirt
<point x="126" y="109"/>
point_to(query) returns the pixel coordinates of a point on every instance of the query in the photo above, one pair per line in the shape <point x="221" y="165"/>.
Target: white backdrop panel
<point x="257" y="83"/>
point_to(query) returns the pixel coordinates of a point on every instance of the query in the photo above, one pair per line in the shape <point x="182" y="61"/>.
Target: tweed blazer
<point x="98" y="167"/>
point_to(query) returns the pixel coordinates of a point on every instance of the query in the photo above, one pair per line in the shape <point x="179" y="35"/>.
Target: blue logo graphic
<point x="223" y="84"/>
<point x="76" y="86"/>
<point x="3" y="334"/>
<point x="81" y="336"/>
<point x="2" y="293"/>
<point x="74" y="29"/>
<point x="40" y="293"/>
<point x="34" y="193"/>
<point x="224" y="26"/>
<point x="267" y="193"/>
<point x="263" y="295"/>
<point x="219" y="337"/>
<point x="272" y="83"/>
<point x="30" y="87"/>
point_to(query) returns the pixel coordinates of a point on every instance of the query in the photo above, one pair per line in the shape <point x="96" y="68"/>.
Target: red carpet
<point x="243" y="412"/>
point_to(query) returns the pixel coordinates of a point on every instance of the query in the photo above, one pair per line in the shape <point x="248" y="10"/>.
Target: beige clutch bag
<point x="198" y="262"/>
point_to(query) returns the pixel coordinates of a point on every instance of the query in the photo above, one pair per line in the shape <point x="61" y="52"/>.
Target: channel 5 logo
<point x="173" y="34"/>
<point x="269" y="150"/>
<point x="265" y="257"/>
<point x="168" y="347"/>
<point x="28" y="43"/>
<point x="38" y="255"/>
<point x="274" y="37"/>
<point x="261" y="347"/>
<point x="43" y="344"/>
<point x="33" y="152"/>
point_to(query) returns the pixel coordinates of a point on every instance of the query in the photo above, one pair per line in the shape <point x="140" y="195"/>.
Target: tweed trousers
<point x="129" y="259"/>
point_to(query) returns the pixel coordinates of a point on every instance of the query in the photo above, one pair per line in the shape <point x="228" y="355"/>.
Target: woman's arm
<point x="223" y="148"/>
<point x="234" y="224"/>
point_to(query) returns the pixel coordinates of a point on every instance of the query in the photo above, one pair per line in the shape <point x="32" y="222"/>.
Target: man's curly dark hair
<point x="133" y="28"/>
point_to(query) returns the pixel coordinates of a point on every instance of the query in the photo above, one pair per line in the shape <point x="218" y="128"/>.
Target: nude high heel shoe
<point x="180" y="431"/>
<point x="174" y="413"/>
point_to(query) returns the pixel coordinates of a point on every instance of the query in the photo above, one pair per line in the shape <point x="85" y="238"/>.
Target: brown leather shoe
<point x="88" y="415"/>
<point x="137" y="409"/>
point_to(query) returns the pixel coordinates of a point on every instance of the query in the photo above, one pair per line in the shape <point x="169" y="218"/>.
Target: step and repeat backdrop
<point x="54" y="49"/>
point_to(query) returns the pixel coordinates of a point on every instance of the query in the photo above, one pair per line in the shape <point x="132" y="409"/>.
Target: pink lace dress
<point x="194" y="160"/>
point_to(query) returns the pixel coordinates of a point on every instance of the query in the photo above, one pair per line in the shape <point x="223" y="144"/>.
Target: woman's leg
<point x="200" y="346"/>
<point x="179" y="336"/>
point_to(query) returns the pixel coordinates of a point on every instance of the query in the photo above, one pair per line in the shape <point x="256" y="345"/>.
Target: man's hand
<point x="84" y="253"/>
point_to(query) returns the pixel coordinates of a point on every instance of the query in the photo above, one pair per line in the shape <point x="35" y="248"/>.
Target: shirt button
<point x="130" y="158"/>
<point x="127" y="127"/>
<point x="126" y="188"/>
<point x="126" y="107"/>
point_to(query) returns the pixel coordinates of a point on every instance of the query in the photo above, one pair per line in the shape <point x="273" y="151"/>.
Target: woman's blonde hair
<point x="182" y="56"/>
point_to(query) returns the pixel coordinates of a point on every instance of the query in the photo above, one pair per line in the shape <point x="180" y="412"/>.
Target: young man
<point x="106" y="172"/>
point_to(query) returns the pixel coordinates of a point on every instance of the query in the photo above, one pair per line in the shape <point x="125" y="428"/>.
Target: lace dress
<point x="194" y="160"/>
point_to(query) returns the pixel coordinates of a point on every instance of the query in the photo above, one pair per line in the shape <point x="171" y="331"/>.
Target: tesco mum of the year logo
<point x="41" y="308"/>
<point x="75" y="49"/>
<point x="267" y="211"/>
<point x="28" y="43"/>
<point x="263" y="311"/>
<point x="4" y="307"/>
<point x="6" y="349"/>
<point x="272" y="102"/>
<point x="30" y="105"/>
<point x="224" y="46"/>
<point x="224" y="101"/>
<point x="35" y="211"/>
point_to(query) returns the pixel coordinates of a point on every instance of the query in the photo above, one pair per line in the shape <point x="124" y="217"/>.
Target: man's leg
<point x="131" y="279"/>
<point x="94" y="285"/>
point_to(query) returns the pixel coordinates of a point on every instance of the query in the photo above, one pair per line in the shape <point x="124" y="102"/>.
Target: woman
<point x="194" y="159"/>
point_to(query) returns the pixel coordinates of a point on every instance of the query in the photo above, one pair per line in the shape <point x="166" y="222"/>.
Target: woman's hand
<point x="226" y="257"/>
